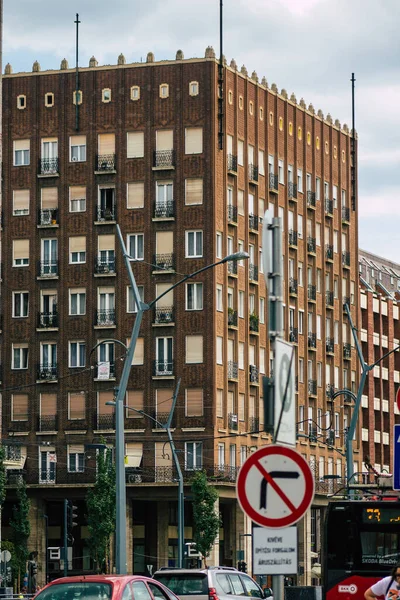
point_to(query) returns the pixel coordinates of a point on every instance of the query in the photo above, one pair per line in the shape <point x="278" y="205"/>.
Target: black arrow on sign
<point x="275" y="475"/>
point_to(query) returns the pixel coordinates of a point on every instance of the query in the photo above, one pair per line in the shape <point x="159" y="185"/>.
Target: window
<point x="135" y="144"/>
<point x="194" y="244"/>
<point x="193" y="140"/>
<point x="138" y="357"/>
<point x="219" y="298"/>
<point x="335" y="195"/>
<point x="301" y="322"/>
<point x="106" y="95"/>
<point x="106" y="145"/>
<point x="281" y="175"/>
<point x="77" y="144"/>
<point x="262" y="310"/>
<point x="20" y="202"/>
<point x="194" y="296"/>
<point x="136" y="246"/>
<point x="77" y="250"/>
<point x="218" y="249"/>
<point x="300" y="226"/>
<point x="193" y="456"/>
<point x="20" y="253"/>
<point x="261" y="113"/>
<point x="301" y="370"/>
<point x="300" y="274"/>
<point x="240" y="149"/>
<point x="135" y="195"/>
<point x="261" y="166"/>
<point x="19" y="407"/>
<point x="21" y="102"/>
<point x="49" y="155"/>
<point x="317" y="143"/>
<point x="300" y="180"/>
<point x="318" y="188"/>
<point x="76" y="458"/>
<point x="77" y="301"/>
<point x="240" y="202"/>
<point x="299" y="133"/>
<point x="77" y="353"/>
<point x="193" y="191"/>
<point x="77" y="97"/>
<point x="130" y="300"/>
<point x="251" y="107"/>
<point x="318" y="234"/>
<point x="164" y="90"/>
<point x="21" y="153"/>
<point x="135" y="92"/>
<point x="194" y="88"/>
<point x="76" y="405"/>
<point x="194" y="402"/>
<point x="280" y="123"/>
<point x="241" y="355"/>
<point x="20" y="304"/>
<point x="19" y="356"/>
<point x="194" y="349"/>
<point x="240" y="102"/>
<point x="134" y="399"/>
<point x="77" y="198"/>
<point x="219" y="350"/>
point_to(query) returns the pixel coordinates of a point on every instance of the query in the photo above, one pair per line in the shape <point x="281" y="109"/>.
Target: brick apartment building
<point x="137" y="145"/>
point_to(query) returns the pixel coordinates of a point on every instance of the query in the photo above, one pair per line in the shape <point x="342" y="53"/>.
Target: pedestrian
<point x="388" y="587"/>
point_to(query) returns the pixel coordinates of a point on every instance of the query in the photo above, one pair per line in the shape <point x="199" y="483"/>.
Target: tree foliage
<point x="206" y="520"/>
<point x="100" y="505"/>
<point x="21" y="530"/>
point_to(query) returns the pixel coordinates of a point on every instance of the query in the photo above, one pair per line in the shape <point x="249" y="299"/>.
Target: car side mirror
<point x="267" y="593"/>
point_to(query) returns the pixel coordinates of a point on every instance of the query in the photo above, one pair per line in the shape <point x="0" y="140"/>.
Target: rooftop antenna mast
<point x="77" y="93"/>
<point x="220" y="83"/>
<point x="353" y="147"/>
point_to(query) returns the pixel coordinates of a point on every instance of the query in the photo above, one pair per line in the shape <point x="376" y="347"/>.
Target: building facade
<point x="138" y="145"/>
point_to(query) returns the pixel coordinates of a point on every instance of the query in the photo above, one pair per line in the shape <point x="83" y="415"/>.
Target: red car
<point x="105" y="587"/>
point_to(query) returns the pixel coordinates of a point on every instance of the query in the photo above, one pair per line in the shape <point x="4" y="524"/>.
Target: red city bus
<point x="362" y="545"/>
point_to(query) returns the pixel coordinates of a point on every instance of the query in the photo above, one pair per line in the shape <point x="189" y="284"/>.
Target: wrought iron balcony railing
<point x="313" y="434"/>
<point x="310" y="199"/>
<point x="253" y="173"/>
<point x="273" y="182"/>
<point x="164" y="210"/>
<point x="329" y="206"/>
<point x="293" y="286"/>
<point x="105" y="163"/>
<point x="311" y="245"/>
<point x="232" y="213"/>
<point x="311" y="292"/>
<point x="328" y="252"/>
<point x="233" y="422"/>
<point x="253" y="374"/>
<point x="253" y="222"/>
<point x="254" y="425"/>
<point x="329" y="390"/>
<point x="312" y="387"/>
<point x="47" y="423"/>
<point x="345" y="214"/>
<point x="47" y="372"/>
<point x="105" y="370"/>
<point x="164" y="315"/>
<point x="232" y="267"/>
<point x="347" y="351"/>
<point x="292" y="190"/>
<point x="330" y="345"/>
<point x="329" y="298"/>
<point x="48" y="166"/>
<point x="253" y="272"/>
<point x="48" y="268"/>
<point x="232" y="163"/>
<point x="253" y="323"/>
<point x="48" y="216"/>
<point x="104" y="267"/>
<point x="163" y="367"/>
<point x="312" y="340"/>
<point x="104" y="421"/>
<point x="164" y="159"/>
<point x="232" y="317"/>
<point x="233" y="370"/>
<point x="105" y="317"/>
<point x="293" y="335"/>
<point x="346" y="259"/>
<point x="164" y="262"/>
<point x="292" y="237"/>
<point x="48" y="320"/>
<point x="105" y="214"/>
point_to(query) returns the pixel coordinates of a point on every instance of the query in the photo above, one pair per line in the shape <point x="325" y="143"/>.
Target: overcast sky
<point x="309" y="47"/>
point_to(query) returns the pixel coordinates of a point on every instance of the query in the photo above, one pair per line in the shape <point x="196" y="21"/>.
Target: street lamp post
<point x="120" y="530"/>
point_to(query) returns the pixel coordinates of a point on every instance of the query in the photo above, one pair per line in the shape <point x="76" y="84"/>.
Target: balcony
<point x="293" y="335"/>
<point x="48" y="268"/>
<point x="232" y="267"/>
<point x="328" y="207"/>
<point x="163" y="159"/>
<point x="311" y="245"/>
<point x="253" y="173"/>
<point x="48" y="320"/>
<point x="163" y="368"/>
<point x="104" y="267"/>
<point x="47" y="423"/>
<point x="313" y="434"/>
<point x="293" y="286"/>
<point x="253" y="374"/>
<point x="164" y="210"/>
<point x="254" y="425"/>
<point x="292" y="190"/>
<point x="105" y="318"/>
<point x="253" y="323"/>
<point x="233" y="422"/>
<point x="273" y="183"/>
<point x="330" y="345"/>
<point x="233" y="370"/>
<point x="232" y="214"/>
<point x="232" y="317"/>
<point x="347" y="351"/>
<point x="310" y="199"/>
<point x="232" y="163"/>
<point x="329" y="391"/>
<point x="345" y="214"/>
<point x="164" y="315"/>
<point x="105" y="215"/>
<point x="329" y="252"/>
<point x="164" y="262"/>
<point x="105" y="163"/>
<point x="47" y="217"/>
<point x="48" y="167"/>
<point x="292" y="238"/>
<point x="311" y="292"/>
<point x="312" y="340"/>
<point x="312" y="387"/>
<point x="253" y="272"/>
<point x="104" y="370"/>
<point x="102" y="422"/>
<point x="47" y="372"/>
<point x="253" y="222"/>
<point x="346" y="259"/>
<point x="329" y="299"/>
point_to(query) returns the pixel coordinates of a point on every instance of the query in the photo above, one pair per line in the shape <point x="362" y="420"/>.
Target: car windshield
<point x="77" y="591"/>
<point x="184" y="584"/>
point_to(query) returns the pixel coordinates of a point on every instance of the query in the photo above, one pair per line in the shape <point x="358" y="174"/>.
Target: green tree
<point x="100" y="505"/>
<point x="207" y="521"/>
<point x="21" y="530"/>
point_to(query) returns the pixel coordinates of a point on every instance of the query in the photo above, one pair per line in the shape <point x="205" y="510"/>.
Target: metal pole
<point x="46" y="518"/>
<point x="65" y="538"/>
<point x="77" y="75"/>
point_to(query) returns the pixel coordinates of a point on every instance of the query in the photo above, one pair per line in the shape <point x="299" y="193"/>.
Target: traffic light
<point x="72" y="515"/>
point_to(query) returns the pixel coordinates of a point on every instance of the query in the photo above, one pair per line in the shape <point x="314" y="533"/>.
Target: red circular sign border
<point x="305" y="503"/>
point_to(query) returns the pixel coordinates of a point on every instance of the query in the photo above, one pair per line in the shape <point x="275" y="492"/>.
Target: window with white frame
<point x="135" y="144"/>
<point x="261" y="166"/>
<point x="318" y="188"/>
<point x="219" y="298"/>
<point x="240" y="148"/>
<point x="334" y="195"/>
<point x="19" y="356"/>
<point x="300" y="273"/>
<point x="262" y="310"/>
<point x="135" y="92"/>
<point x="319" y="374"/>
<point x="193" y="456"/>
<point x="300" y="180"/>
<point x="164" y="90"/>
<point x="106" y="95"/>
<point x="240" y="202"/>
<point x="194" y="296"/>
<point x="77" y="354"/>
<point x="77" y="301"/>
<point x="21" y="102"/>
<point x="241" y="304"/>
<point x="21" y="153"/>
<point x="77" y="145"/>
<point x="76" y="458"/>
<point x="300" y="226"/>
<point x="301" y="322"/>
<point x="20" y="304"/>
<point x="136" y="246"/>
<point x="281" y="171"/>
<point x="221" y="455"/>
<point x="194" y="88"/>
<point x="77" y="250"/>
<point x="218" y="249"/>
<point x="241" y="355"/>
<point x="219" y="350"/>
<point x="301" y="370"/>
<point x="77" y="198"/>
<point x="131" y="306"/>
<point x="194" y="244"/>
<point x="20" y="202"/>
<point x="193" y="140"/>
<point x="20" y="253"/>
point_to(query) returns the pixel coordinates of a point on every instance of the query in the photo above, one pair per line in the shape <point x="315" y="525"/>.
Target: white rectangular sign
<point x="103" y="370"/>
<point x="284" y="388"/>
<point x="275" y="551"/>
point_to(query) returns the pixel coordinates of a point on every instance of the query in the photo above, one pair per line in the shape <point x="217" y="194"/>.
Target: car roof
<point x="97" y="578"/>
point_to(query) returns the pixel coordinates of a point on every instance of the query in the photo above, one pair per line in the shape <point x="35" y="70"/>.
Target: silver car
<point x="214" y="583"/>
